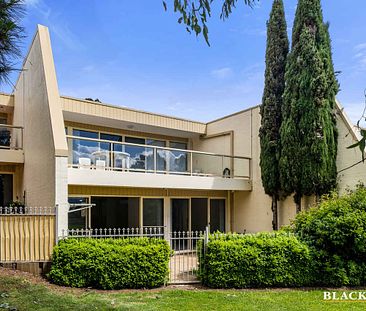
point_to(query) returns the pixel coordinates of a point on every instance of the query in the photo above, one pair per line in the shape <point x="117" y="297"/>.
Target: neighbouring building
<point x="107" y="166"/>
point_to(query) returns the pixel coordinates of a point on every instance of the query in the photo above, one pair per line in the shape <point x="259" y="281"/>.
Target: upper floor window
<point x="82" y="148"/>
<point x="178" y="160"/>
<point x="113" y="138"/>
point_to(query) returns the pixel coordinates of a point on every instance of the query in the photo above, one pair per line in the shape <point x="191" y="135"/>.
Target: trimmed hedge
<point x="110" y="263"/>
<point x="325" y="246"/>
<point x="261" y="260"/>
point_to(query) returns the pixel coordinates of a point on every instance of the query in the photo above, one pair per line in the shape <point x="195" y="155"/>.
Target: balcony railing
<point x="87" y="153"/>
<point x="11" y="137"/>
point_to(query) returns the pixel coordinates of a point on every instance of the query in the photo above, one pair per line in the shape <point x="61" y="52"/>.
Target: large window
<point x="153" y="213"/>
<point x="137" y="154"/>
<point x="84" y="149"/>
<point x="115" y="212"/>
<point x="199" y="214"/>
<point x="6" y="189"/>
<point x="217" y="215"/>
<point x="4" y="133"/>
<point x="113" y="138"/>
<point x="160" y="155"/>
<point x="180" y="215"/>
<point x="79" y="213"/>
<point x="108" y="149"/>
<point x="192" y="214"/>
<point x="126" y="156"/>
<point x="178" y="159"/>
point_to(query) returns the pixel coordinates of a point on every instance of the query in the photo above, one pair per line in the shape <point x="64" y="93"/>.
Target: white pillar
<point x="61" y="196"/>
<point x="167" y="221"/>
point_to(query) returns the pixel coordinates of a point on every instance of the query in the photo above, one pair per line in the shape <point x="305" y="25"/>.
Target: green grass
<point x="23" y="294"/>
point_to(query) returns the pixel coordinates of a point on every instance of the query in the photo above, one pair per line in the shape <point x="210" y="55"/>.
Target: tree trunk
<point x="317" y="198"/>
<point x="297" y="199"/>
<point x="274" y="213"/>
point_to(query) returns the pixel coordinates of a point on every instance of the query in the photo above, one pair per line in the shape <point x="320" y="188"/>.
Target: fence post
<point x="205" y="241"/>
<point x="166" y="234"/>
<point x="57" y="235"/>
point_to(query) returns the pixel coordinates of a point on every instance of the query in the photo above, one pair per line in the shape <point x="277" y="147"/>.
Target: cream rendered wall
<point x="38" y="108"/>
<point x="251" y="210"/>
<point x="349" y="178"/>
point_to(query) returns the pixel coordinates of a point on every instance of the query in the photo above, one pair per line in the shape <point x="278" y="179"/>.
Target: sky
<point x="134" y="54"/>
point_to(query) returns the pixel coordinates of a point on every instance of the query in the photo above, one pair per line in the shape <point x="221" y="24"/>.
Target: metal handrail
<point x="17" y="127"/>
<point x="12" y="126"/>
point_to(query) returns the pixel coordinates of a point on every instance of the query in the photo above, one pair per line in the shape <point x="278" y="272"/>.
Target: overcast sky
<point x="134" y="54"/>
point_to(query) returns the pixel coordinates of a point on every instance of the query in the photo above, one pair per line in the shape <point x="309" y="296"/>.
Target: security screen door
<point x="180" y="215"/>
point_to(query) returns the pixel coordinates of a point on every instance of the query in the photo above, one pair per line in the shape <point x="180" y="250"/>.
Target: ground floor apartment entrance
<point x="173" y="214"/>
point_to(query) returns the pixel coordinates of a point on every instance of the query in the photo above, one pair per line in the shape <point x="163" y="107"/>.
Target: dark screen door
<point x="180" y="215"/>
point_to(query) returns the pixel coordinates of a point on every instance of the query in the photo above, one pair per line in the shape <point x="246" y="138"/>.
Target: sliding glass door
<point x="217" y="215"/>
<point x="199" y="212"/>
<point x="178" y="160"/>
<point x="84" y="149"/>
<point x="137" y="154"/>
<point x="180" y="215"/>
<point x="196" y="213"/>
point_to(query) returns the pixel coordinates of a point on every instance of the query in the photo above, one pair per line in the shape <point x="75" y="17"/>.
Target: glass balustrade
<point x="86" y="153"/>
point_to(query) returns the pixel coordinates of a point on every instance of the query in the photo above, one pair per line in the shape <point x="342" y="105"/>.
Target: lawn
<point x="24" y="292"/>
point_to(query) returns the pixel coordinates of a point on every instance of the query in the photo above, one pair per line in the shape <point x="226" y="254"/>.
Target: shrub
<point x="337" y="226"/>
<point x="261" y="260"/>
<point x="335" y="230"/>
<point x="110" y="263"/>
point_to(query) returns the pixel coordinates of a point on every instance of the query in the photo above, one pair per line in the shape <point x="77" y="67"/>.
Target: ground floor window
<point x="115" y="212"/>
<point x="217" y="215"/>
<point x="6" y="189"/>
<point x="180" y="215"/>
<point x="199" y="212"/>
<point x="79" y="214"/>
<point x="153" y="212"/>
<point x="186" y="214"/>
<point x="196" y="213"/>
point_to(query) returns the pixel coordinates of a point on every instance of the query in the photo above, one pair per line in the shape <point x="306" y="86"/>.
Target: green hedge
<point x="261" y="260"/>
<point x="110" y="263"/>
<point x="325" y="246"/>
<point x="337" y="226"/>
<point x="335" y="230"/>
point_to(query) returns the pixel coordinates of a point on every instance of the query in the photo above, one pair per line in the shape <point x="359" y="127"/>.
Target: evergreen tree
<point x="11" y="35"/>
<point x="276" y="54"/>
<point x="308" y="132"/>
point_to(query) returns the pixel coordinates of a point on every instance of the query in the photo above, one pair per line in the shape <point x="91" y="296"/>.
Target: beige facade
<point x="75" y="149"/>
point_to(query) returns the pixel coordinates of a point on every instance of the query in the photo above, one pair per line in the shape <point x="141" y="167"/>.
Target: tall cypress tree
<point x="276" y="54"/>
<point x="308" y="132"/>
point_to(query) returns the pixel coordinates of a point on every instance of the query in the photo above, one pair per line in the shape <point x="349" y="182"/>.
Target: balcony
<point x="110" y="163"/>
<point x="11" y="144"/>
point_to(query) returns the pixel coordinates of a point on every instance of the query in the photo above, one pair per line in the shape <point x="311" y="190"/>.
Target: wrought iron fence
<point x="152" y="232"/>
<point x="25" y="210"/>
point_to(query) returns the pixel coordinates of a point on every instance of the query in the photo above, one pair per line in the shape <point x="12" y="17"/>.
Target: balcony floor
<point x="11" y="156"/>
<point x="98" y="177"/>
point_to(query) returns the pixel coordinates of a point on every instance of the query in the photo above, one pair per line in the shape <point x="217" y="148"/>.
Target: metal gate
<point x="184" y="263"/>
